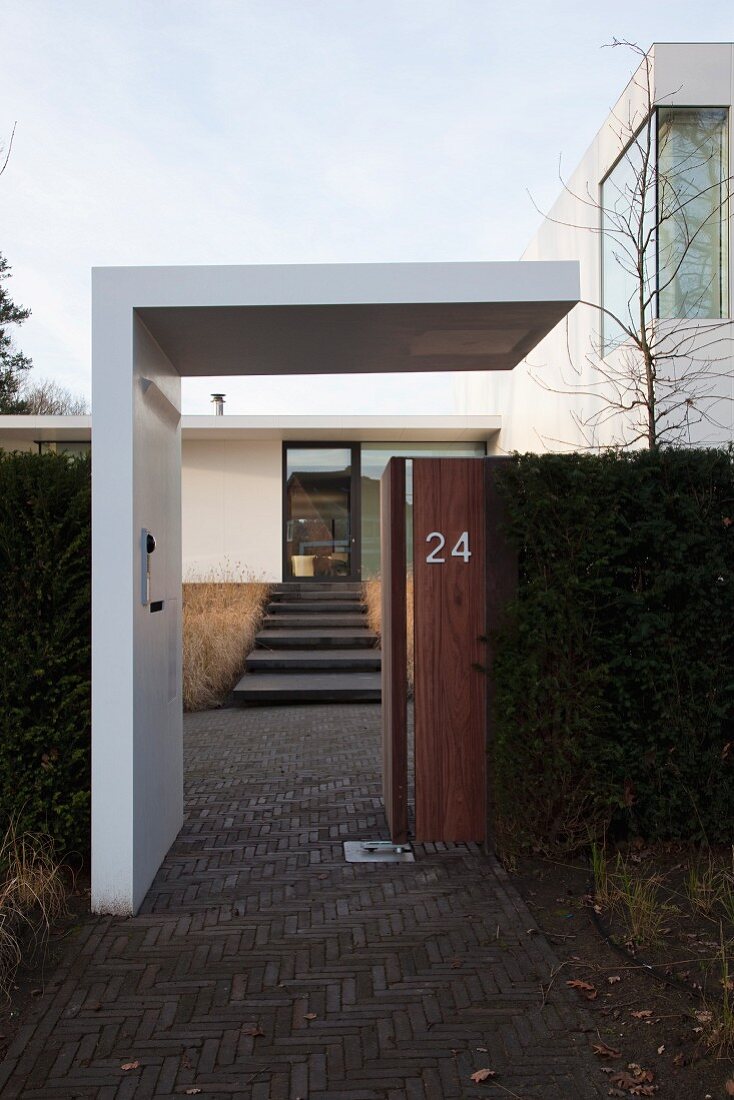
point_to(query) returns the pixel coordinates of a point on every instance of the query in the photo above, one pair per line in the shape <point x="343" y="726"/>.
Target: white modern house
<point x="296" y="498"/>
<point x="287" y="497"/>
<point x="567" y="394"/>
<point x="280" y="498"/>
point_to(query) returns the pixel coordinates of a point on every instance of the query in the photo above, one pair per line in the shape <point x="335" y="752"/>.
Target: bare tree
<point x="47" y="398"/>
<point x="653" y="372"/>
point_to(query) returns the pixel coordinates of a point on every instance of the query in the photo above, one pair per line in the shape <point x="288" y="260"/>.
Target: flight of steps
<point x="314" y="646"/>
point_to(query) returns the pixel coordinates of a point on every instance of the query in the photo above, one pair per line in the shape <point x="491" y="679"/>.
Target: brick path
<point x="264" y="966"/>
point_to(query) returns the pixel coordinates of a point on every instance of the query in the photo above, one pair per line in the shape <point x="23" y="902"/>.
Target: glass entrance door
<point x="321" y="512"/>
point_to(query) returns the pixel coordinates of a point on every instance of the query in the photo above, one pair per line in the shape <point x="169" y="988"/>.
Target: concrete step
<point x="317" y="586"/>
<point x="301" y="660"/>
<point x="315" y="638"/>
<point x="283" y="607"/>
<point x="311" y="687"/>
<point x="316" y="619"/>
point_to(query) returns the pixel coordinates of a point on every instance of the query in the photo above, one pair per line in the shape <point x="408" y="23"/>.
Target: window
<point x="692" y="224"/>
<point x="664" y="223"/>
<point x="375" y="457"/>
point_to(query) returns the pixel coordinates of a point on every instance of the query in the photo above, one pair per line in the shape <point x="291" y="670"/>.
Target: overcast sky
<point x="293" y="131"/>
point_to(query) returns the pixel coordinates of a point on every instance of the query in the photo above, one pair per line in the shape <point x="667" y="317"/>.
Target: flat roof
<point x="308" y="428"/>
<point x="343" y="318"/>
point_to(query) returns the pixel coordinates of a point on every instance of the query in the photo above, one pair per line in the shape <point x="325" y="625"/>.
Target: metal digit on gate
<point x="461" y="550"/>
<point x="431" y="558"/>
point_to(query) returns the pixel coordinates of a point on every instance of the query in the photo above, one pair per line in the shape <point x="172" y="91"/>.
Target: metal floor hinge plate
<point x="377" y="851"/>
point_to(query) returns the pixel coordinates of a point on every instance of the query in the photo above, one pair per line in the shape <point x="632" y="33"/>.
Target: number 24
<point x="461" y="550"/>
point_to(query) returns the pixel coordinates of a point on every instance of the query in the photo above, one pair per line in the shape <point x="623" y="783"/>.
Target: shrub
<point x="372" y="599"/>
<point x="45" y="646"/>
<point x="221" y="616"/>
<point x="615" y="672"/>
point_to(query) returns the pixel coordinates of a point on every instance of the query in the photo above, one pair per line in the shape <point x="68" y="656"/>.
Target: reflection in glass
<point x="628" y="202"/>
<point x="692" y="237"/>
<point x="375" y="457"/>
<point x="318" y="512"/>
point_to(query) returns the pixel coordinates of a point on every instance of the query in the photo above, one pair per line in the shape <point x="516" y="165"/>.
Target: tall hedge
<point x="615" y="670"/>
<point x="45" y="548"/>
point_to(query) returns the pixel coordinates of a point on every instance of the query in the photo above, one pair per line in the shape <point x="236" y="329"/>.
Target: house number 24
<point x="461" y="550"/>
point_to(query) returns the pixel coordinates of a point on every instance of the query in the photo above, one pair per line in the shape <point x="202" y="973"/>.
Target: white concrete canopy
<point x="150" y="327"/>
<point x="21" y="429"/>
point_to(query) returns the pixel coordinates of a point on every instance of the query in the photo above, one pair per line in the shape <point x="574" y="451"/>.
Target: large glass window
<point x="628" y="205"/>
<point x="692" y="215"/>
<point x="319" y="538"/>
<point x="375" y="457"/>
<point x="664" y="223"/>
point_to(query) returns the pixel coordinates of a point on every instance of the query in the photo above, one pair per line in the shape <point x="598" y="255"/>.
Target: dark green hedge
<point x="45" y="645"/>
<point x="615" y="671"/>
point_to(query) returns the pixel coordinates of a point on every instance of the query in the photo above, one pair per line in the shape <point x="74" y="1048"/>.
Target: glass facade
<point x="693" y="242"/>
<point x="67" y="447"/>
<point x="319" y="540"/>
<point x="667" y="222"/>
<point x="375" y="457"/>
<point x="627" y="201"/>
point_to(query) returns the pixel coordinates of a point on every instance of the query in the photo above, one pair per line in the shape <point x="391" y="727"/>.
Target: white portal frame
<point x="150" y="327"/>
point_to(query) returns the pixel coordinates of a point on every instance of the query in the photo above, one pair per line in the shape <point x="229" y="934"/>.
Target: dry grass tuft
<point x="222" y="613"/>
<point x="32" y="894"/>
<point x="372" y="596"/>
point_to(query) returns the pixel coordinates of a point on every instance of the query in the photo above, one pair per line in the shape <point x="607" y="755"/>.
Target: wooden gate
<point x="464" y="574"/>
<point x="394" y="650"/>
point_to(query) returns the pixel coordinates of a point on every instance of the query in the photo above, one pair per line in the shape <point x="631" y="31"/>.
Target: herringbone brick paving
<point x="262" y="965"/>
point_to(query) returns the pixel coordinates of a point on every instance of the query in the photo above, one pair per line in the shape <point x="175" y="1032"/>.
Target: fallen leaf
<point x="586" y="989"/>
<point x="704" y="1017"/>
<point x="129" y="1065"/>
<point x="603" y="1050"/>
<point x="679" y="1060"/>
<point x="729" y="1086"/>
<point x="193" y="1092"/>
<point x="637" y="1082"/>
<point x="613" y="978"/>
<point x="310" y="1016"/>
<point x="661" y="1048"/>
<point x="255" y="1032"/>
<point x="482" y="1075"/>
<point x="641" y="1014"/>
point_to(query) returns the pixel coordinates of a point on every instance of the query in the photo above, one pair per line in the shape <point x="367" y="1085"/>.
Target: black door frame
<point x="355" y="505"/>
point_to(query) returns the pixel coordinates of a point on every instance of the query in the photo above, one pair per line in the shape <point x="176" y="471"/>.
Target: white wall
<point x="7" y="443"/>
<point x="538" y="398"/>
<point x="137" y="775"/>
<point x="232" y="507"/>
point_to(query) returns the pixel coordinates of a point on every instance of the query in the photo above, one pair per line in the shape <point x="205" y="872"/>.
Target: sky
<point x="294" y="131"/>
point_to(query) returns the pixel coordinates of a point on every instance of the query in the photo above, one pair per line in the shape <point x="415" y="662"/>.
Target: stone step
<point x="297" y="660"/>
<point x="352" y="595"/>
<point x="283" y="607"/>
<point x="311" y="687"/>
<point x="320" y="588"/>
<point x="316" y="619"/>
<point x="315" y="638"/>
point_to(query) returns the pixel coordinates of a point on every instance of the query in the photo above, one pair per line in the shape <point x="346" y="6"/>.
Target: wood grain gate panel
<point x="394" y="650"/>
<point x="450" y="651"/>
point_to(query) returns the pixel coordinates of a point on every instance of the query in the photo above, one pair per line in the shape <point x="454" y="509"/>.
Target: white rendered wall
<point x="536" y="400"/>
<point x="232" y="495"/>
<point x="137" y="775"/>
<point x="9" y="444"/>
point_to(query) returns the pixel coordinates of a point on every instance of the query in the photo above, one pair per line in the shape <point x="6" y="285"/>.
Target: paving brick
<point x="254" y="921"/>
